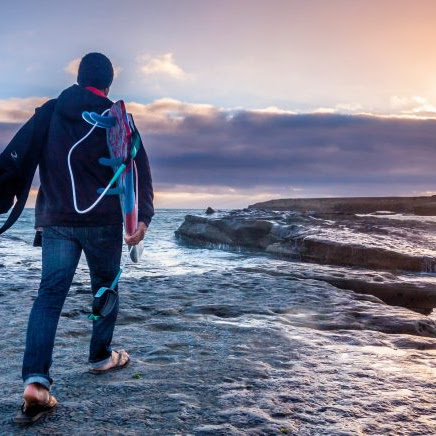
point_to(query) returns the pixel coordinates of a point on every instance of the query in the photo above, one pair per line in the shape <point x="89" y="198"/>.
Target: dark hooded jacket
<point x="54" y="204"/>
<point x="19" y="161"/>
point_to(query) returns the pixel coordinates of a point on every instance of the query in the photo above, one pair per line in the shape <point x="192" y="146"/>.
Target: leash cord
<point x="73" y="186"/>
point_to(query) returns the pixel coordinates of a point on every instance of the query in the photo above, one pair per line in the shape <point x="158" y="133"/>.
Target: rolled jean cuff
<point x="42" y="380"/>
<point x="96" y="365"/>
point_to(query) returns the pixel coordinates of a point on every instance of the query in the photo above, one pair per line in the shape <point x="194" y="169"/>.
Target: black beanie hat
<point x="95" y="70"/>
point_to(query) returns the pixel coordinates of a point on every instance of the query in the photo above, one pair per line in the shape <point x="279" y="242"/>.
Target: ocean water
<point x="228" y="342"/>
<point x="163" y="254"/>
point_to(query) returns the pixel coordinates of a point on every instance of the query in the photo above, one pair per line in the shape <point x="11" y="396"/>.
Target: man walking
<point x="65" y="233"/>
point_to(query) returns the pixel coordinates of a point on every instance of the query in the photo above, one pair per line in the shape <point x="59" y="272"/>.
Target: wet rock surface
<point x="227" y="342"/>
<point x="372" y="242"/>
<point x="236" y="353"/>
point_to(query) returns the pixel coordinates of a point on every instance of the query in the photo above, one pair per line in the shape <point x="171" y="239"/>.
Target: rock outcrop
<point x="369" y="242"/>
<point x="356" y="242"/>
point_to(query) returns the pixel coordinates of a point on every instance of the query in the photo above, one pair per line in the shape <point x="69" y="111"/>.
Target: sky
<point x="248" y="100"/>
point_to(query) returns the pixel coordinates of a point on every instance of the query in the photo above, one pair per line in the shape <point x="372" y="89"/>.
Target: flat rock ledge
<point x="289" y="238"/>
<point x="294" y="240"/>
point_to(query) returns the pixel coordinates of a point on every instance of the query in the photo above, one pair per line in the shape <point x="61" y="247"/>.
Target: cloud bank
<point x="18" y="110"/>
<point x="204" y="145"/>
<point x="210" y="151"/>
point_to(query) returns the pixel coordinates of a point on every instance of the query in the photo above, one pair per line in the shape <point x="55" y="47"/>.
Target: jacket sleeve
<point x="145" y="186"/>
<point x="24" y="150"/>
<point x="13" y="162"/>
<point x="19" y="160"/>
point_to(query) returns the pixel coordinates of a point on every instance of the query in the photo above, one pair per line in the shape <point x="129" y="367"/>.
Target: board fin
<point x="87" y="117"/>
<point x="136" y="251"/>
<point x="107" y="121"/>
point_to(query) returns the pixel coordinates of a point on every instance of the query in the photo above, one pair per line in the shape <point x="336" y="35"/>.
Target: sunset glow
<point x="216" y="90"/>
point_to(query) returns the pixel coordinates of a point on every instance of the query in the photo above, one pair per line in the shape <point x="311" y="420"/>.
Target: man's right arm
<point x="145" y="195"/>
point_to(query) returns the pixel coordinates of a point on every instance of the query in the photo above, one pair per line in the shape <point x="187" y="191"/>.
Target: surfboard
<point x="120" y="136"/>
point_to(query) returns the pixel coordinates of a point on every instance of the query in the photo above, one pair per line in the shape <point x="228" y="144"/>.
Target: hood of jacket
<point x="75" y="99"/>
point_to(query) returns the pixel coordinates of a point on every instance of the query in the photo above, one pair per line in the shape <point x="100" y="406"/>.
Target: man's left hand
<point x="138" y="236"/>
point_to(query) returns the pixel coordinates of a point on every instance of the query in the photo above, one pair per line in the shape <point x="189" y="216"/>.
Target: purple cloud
<point x="200" y="145"/>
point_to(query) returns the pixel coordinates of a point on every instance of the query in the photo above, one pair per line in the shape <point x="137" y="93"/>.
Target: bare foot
<point x="118" y="358"/>
<point x="35" y="394"/>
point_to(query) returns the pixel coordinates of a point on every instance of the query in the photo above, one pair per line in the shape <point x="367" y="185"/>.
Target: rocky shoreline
<point x="335" y="232"/>
<point x="424" y="206"/>
<point x="233" y="353"/>
<point x="229" y="342"/>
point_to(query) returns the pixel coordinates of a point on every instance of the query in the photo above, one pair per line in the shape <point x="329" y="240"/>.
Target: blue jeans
<point x="61" y="250"/>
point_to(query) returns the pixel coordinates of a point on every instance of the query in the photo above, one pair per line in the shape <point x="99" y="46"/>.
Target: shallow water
<point x="224" y="343"/>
